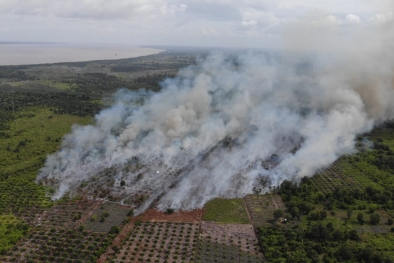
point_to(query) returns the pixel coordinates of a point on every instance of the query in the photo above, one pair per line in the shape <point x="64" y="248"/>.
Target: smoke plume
<point x="233" y="122"/>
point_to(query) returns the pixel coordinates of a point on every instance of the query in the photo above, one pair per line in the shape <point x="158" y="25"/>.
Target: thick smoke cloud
<point x="231" y="123"/>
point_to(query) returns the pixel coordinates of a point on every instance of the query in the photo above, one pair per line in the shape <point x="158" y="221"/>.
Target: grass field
<point x="226" y="211"/>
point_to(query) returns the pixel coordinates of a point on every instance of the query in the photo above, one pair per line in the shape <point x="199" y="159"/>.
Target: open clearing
<point x="226" y="211"/>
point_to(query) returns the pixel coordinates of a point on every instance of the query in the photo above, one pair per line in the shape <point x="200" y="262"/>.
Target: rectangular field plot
<point x="230" y="211"/>
<point x="160" y="242"/>
<point x="66" y="215"/>
<point x="242" y="237"/>
<point x="52" y="245"/>
<point x="107" y="215"/>
<point x="261" y="208"/>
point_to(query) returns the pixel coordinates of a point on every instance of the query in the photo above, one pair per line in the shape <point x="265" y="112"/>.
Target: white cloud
<point x="383" y="18"/>
<point x="353" y="19"/>
<point x="249" y="23"/>
<point x="158" y="22"/>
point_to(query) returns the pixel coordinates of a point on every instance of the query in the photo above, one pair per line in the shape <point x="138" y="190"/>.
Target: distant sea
<point x="40" y="53"/>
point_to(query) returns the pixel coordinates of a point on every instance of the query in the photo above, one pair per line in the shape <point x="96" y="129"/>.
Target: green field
<point x="229" y="211"/>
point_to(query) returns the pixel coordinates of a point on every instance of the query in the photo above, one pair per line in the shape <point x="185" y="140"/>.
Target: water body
<point x="25" y="54"/>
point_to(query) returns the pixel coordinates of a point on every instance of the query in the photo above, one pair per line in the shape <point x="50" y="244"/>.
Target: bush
<point x="114" y="230"/>
<point x="169" y="211"/>
<point x="375" y="218"/>
<point x="360" y="218"/>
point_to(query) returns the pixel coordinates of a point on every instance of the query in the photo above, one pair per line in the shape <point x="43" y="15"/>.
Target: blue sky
<point x="223" y="23"/>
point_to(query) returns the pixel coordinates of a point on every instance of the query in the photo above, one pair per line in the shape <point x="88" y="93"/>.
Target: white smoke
<point x="210" y="130"/>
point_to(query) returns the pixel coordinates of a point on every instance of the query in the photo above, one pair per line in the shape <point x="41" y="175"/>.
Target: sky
<point x="220" y="23"/>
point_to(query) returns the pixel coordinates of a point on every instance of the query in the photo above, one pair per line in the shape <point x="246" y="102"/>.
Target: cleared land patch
<point x="153" y="215"/>
<point x="226" y="211"/>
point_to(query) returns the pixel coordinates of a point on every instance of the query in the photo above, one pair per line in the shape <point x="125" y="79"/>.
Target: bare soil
<point x="153" y="215"/>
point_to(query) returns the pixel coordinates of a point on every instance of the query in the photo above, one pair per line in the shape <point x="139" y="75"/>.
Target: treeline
<point x="14" y="99"/>
<point x="97" y="84"/>
<point x="13" y="74"/>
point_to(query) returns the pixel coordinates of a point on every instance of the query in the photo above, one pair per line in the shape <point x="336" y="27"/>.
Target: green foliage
<point x="114" y="230"/>
<point x="226" y="211"/>
<point x="336" y="230"/>
<point x="375" y="219"/>
<point x="11" y="230"/>
<point x="349" y="213"/>
<point x="278" y="213"/>
<point x="131" y="212"/>
<point x="360" y="218"/>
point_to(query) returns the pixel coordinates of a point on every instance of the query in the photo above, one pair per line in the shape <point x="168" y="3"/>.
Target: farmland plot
<point x="228" y="243"/>
<point x="239" y="235"/>
<point x="106" y="216"/>
<point x="160" y="242"/>
<point x="66" y="215"/>
<point x="54" y="245"/>
<point x="261" y="208"/>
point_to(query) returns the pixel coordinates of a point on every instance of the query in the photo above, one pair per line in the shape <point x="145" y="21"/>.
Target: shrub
<point x="375" y="218"/>
<point x="114" y="230"/>
<point x="360" y="218"/>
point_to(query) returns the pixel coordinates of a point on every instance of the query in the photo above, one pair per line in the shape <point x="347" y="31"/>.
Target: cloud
<point x="353" y="19"/>
<point x="383" y="18"/>
<point x="101" y="9"/>
<point x="242" y="23"/>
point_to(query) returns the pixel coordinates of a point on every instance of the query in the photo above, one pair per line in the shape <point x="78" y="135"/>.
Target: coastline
<point x="32" y="54"/>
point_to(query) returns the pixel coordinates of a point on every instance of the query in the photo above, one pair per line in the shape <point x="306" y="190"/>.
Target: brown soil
<point x="153" y="215"/>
